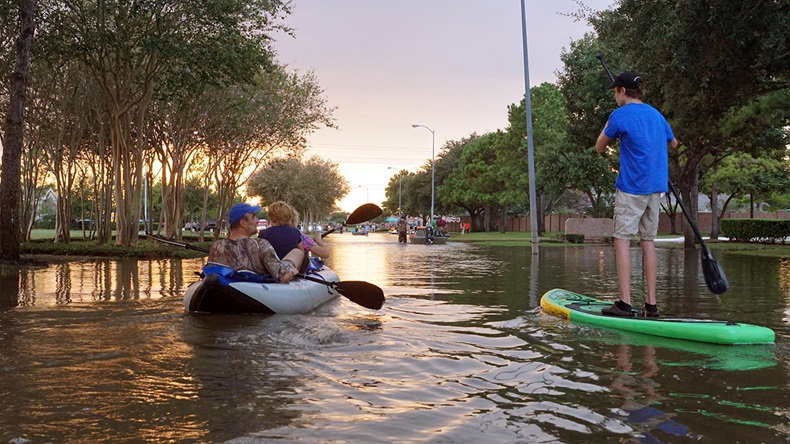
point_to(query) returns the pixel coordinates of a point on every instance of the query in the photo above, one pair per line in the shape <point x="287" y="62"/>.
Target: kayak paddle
<point x="360" y="292"/>
<point x="715" y="278"/>
<point x="364" y="213"/>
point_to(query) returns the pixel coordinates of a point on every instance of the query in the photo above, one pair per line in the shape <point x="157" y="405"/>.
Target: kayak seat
<point x="316" y="263"/>
<point x="228" y="275"/>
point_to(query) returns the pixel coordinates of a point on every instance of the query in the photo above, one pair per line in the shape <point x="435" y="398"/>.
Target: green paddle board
<point x="587" y="310"/>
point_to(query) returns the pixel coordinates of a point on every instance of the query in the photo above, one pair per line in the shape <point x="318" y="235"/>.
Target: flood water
<point x="102" y="351"/>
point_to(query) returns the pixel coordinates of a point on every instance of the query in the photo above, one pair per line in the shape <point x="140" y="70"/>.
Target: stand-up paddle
<point x="364" y="213"/>
<point x="363" y="293"/>
<point x="715" y="278"/>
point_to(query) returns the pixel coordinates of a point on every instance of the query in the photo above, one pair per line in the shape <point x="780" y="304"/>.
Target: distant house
<point x="47" y="204"/>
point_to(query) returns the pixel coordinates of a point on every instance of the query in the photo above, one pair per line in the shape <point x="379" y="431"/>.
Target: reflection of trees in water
<point x="9" y="283"/>
<point x="93" y="280"/>
<point x="101" y="282"/>
<point x="63" y="283"/>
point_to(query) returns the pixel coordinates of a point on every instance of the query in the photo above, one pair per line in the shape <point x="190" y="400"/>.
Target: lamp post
<point x="433" y="147"/>
<point x="367" y="193"/>
<point x="400" y="190"/>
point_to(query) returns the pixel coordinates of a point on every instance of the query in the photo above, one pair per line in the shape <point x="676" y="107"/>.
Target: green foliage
<point x="761" y="230"/>
<point x="741" y="174"/>
<point x="574" y="163"/>
<point x="312" y="187"/>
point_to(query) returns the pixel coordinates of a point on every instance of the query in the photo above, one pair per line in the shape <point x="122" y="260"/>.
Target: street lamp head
<point x="414" y="125"/>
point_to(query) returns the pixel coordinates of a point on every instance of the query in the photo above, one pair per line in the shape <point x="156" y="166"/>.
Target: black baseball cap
<point x="628" y="80"/>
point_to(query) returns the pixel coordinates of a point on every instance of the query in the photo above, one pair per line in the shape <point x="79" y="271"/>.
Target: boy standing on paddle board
<point x="644" y="137"/>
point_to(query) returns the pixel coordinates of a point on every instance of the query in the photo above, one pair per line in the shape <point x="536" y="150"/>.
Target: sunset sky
<point x="451" y="65"/>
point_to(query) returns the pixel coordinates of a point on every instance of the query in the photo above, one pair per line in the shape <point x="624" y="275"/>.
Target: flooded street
<point x="102" y="351"/>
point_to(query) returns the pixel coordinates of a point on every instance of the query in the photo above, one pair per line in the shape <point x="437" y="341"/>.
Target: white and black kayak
<point x="224" y="290"/>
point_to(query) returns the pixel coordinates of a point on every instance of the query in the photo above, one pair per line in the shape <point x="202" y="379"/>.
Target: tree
<point x="13" y="141"/>
<point x="476" y="184"/>
<point x="311" y="187"/>
<point x="549" y="126"/>
<point x="130" y="47"/>
<point x="741" y="174"/>
<point x="575" y="164"/>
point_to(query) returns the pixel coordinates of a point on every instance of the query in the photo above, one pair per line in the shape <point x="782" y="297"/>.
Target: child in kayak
<point x="284" y="236"/>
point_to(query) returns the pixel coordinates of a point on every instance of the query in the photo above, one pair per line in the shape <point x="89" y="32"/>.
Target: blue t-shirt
<point x="644" y="134"/>
<point x="282" y="237"/>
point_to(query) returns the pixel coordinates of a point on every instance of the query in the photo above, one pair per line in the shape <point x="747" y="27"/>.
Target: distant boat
<point x="421" y="237"/>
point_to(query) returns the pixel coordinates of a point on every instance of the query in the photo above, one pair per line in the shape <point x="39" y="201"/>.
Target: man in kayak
<point x="644" y="137"/>
<point x="241" y="252"/>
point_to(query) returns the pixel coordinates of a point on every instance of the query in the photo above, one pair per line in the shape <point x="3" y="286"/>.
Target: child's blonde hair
<point x="280" y="213"/>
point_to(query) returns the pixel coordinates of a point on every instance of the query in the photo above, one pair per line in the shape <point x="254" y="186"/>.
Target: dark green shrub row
<point x="758" y="230"/>
<point x="145" y="249"/>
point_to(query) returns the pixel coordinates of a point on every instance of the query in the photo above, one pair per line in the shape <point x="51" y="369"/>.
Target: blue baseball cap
<point x="239" y="210"/>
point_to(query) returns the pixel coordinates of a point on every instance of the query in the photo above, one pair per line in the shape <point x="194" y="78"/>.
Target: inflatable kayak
<point x="224" y="290"/>
<point x="587" y="310"/>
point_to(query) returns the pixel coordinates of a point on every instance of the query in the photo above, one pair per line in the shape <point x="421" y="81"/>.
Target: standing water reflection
<point x="100" y="350"/>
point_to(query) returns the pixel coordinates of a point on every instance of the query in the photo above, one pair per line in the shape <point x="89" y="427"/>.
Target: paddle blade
<point x="714" y="274"/>
<point x="364" y="213"/>
<point x="363" y="293"/>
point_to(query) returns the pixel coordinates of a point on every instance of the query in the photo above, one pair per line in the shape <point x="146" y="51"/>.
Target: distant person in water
<point x="240" y="252"/>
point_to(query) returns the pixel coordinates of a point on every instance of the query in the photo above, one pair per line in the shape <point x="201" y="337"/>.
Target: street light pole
<point x="400" y="190"/>
<point x="367" y="193"/>
<point x="433" y="175"/>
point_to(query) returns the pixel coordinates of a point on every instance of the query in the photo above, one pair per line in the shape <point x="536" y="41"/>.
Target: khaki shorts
<point x="636" y="214"/>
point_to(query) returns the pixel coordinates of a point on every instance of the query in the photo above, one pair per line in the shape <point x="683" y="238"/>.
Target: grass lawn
<point x="41" y="244"/>
<point x="549" y="239"/>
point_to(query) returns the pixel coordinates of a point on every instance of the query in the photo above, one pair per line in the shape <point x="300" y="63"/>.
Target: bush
<point x="759" y="230"/>
<point x="145" y="249"/>
<point x="575" y="238"/>
<point x="46" y="221"/>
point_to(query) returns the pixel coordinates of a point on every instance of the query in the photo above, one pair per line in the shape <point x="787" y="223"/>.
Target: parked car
<point x="80" y="224"/>
<point x="210" y="225"/>
<point x="263" y="224"/>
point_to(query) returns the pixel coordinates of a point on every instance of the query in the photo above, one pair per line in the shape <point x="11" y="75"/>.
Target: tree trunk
<point x="13" y="141"/>
<point x="714" y="213"/>
<point x="690" y="196"/>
